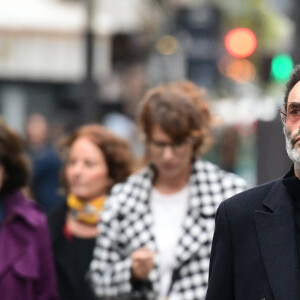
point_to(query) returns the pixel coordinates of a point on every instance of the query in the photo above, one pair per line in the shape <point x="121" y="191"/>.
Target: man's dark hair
<point x="13" y="159"/>
<point x="294" y="78"/>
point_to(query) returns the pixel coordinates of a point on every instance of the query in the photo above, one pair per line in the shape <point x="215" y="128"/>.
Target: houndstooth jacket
<point x="126" y="225"/>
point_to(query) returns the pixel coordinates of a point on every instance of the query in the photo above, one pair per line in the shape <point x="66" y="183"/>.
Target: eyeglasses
<point x="178" y="148"/>
<point x="290" y="113"/>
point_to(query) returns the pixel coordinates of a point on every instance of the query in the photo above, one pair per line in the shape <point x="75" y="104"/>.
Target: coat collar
<point x="277" y="199"/>
<point x="277" y="241"/>
<point x="16" y="205"/>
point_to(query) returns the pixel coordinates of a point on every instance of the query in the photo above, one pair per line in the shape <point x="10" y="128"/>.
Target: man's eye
<point x="294" y="111"/>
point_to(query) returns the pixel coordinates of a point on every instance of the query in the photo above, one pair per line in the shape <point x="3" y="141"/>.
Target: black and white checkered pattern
<point x="127" y="225"/>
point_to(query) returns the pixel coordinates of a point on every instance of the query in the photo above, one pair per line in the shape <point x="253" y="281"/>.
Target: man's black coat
<point x="254" y="252"/>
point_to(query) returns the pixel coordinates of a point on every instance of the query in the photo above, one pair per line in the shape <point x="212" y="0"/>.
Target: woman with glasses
<point x="157" y="227"/>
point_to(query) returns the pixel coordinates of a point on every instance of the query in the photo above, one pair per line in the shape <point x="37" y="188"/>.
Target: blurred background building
<point x="79" y="61"/>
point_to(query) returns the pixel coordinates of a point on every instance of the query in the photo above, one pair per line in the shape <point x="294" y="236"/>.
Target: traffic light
<point x="281" y="67"/>
<point x="240" y="42"/>
<point x="240" y="70"/>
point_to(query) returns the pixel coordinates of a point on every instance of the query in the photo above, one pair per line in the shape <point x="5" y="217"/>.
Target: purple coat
<point x="26" y="261"/>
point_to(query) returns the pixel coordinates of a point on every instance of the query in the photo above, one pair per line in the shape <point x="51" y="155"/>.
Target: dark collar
<point x="57" y="219"/>
<point x="292" y="184"/>
<point x="290" y="173"/>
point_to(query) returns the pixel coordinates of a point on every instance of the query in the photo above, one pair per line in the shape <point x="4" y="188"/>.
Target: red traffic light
<point x="240" y="42"/>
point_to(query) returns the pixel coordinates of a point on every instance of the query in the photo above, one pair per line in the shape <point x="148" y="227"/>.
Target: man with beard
<point x="256" y="247"/>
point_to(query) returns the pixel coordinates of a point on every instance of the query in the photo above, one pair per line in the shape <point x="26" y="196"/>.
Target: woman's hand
<point x="142" y="263"/>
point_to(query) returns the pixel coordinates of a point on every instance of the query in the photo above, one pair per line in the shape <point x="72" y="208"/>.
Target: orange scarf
<point x="86" y="212"/>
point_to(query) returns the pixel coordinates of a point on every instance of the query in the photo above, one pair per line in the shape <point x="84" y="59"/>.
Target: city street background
<point x="82" y="61"/>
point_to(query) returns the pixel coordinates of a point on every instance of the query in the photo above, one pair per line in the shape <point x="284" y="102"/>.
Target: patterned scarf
<point x="86" y="212"/>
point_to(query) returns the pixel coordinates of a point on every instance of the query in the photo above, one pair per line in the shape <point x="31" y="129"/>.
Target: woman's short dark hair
<point x="181" y="110"/>
<point x="117" y="152"/>
<point x="13" y="159"/>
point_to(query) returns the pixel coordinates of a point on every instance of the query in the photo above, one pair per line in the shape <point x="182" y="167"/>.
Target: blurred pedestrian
<point x="46" y="164"/>
<point x="26" y="260"/>
<point x="256" y="247"/>
<point x="95" y="159"/>
<point x="157" y="227"/>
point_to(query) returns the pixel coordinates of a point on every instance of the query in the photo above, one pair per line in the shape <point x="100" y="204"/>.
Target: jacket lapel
<point x="277" y="240"/>
<point x="140" y="190"/>
<point x="199" y="223"/>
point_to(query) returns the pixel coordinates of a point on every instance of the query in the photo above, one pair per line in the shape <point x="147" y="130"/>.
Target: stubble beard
<point x="292" y="152"/>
